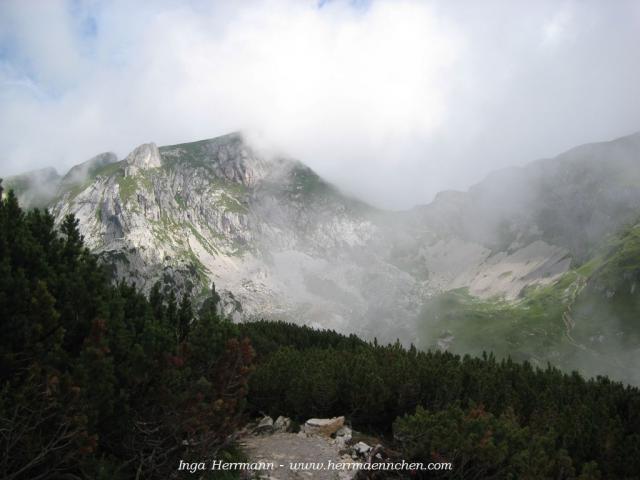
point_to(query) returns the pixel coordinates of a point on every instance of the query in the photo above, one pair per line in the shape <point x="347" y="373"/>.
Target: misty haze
<point x="312" y="205"/>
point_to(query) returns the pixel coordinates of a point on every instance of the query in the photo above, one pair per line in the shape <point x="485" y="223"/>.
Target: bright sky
<point x="391" y="100"/>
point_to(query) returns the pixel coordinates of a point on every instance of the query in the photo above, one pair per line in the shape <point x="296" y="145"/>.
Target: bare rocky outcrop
<point x="265" y="425"/>
<point x="306" y="454"/>
<point x="277" y="240"/>
<point x="323" y="426"/>
<point x="297" y="457"/>
<point x="324" y="448"/>
<point x="343" y="437"/>
<point x="144" y="157"/>
<point x="282" y="425"/>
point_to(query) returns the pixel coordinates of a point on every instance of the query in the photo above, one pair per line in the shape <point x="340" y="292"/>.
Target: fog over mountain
<point x="384" y="179"/>
<point x="537" y="262"/>
<point x="320" y="238"/>
<point x="392" y="101"/>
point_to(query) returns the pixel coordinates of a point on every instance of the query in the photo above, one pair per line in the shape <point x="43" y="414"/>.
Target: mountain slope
<point x="586" y="320"/>
<point x="496" y="267"/>
<point x="587" y="203"/>
<point x="269" y="232"/>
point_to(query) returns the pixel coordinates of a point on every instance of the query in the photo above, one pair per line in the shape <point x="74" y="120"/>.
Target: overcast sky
<point x="391" y="100"/>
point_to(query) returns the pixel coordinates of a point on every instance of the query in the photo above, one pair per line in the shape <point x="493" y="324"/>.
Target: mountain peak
<point x="144" y="157"/>
<point x="229" y="157"/>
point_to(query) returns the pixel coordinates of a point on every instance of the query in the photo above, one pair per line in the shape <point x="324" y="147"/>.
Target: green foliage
<point x="614" y="286"/>
<point x="529" y="329"/>
<point x="587" y="319"/>
<point x="96" y="381"/>
<point x="482" y="445"/>
<point x="267" y="337"/>
<point x="541" y="423"/>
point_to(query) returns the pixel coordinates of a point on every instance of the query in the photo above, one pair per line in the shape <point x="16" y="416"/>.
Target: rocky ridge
<point x="280" y="242"/>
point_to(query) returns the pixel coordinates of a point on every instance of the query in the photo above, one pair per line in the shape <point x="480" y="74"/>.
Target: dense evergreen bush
<point x="97" y="381"/>
<point x="493" y="419"/>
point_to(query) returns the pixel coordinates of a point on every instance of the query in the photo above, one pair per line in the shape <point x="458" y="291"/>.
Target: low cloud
<point x="391" y="100"/>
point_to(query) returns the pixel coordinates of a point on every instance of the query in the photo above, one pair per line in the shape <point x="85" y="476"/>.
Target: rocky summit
<point x="280" y="242"/>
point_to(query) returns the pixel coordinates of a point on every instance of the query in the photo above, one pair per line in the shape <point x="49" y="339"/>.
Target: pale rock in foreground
<point x="361" y="448"/>
<point x="343" y="437"/>
<point x="323" y="426"/>
<point x="282" y="425"/>
<point x="265" y="425"/>
<point x="287" y="449"/>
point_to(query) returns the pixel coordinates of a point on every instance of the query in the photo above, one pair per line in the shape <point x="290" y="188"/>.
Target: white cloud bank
<point x="391" y="100"/>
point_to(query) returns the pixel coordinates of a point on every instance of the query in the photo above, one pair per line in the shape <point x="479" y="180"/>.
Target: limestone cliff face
<point x="269" y="232"/>
<point x="283" y="243"/>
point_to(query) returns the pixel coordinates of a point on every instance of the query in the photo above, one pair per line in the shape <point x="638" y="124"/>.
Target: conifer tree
<point x="185" y="316"/>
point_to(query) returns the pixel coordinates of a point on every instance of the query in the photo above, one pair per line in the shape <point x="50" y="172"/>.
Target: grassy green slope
<point x="587" y="320"/>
